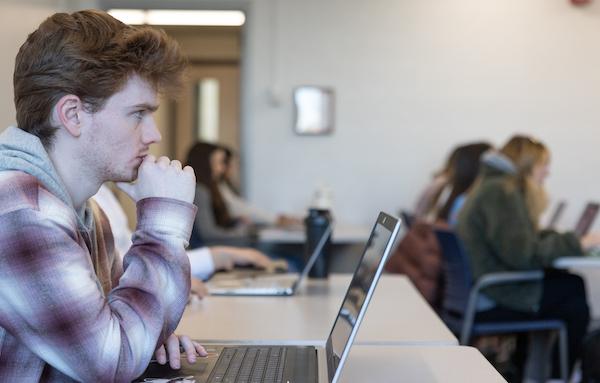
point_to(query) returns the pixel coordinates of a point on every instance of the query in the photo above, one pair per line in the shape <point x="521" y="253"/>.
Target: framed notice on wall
<point x="313" y="110"/>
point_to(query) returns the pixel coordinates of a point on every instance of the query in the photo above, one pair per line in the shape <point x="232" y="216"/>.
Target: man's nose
<point x="151" y="133"/>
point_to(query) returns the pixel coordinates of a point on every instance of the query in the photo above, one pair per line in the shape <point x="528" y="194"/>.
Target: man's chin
<point x="124" y="177"/>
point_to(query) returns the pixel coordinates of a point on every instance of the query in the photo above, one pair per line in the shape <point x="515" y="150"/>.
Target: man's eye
<point x="138" y="115"/>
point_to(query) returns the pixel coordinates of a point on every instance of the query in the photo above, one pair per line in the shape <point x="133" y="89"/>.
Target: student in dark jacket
<point x="499" y="227"/>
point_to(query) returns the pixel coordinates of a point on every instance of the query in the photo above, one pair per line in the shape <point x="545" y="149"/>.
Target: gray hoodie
<point x="24" y="152"/>
<point x="499" y="161"/>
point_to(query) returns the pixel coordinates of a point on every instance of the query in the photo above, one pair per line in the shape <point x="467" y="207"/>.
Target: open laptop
<point x="267" y="283"/>
<point x="587" y="219"/>
<point x="290" y="363"/>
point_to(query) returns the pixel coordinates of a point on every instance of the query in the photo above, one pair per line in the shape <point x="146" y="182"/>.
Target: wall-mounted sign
<point x="313" y="110"/>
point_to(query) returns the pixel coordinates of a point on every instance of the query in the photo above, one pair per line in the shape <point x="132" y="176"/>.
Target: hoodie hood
<point x="24" y="152"/>
<point x="497" y="162"/>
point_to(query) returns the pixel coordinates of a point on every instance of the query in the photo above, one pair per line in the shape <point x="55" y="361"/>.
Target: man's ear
<point x="67" y="113"/>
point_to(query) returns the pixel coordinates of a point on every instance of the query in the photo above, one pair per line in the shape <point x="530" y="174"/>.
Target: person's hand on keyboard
<point x="590" y="241"/>
<point x="226" y="257"/>
<point x="170" y="351"/>
<point x="198" y="289"/>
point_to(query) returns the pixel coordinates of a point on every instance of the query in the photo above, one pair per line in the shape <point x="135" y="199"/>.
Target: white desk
<point x="342" y="234"/>
<point x="577" y="262"/>
<point x="417" y="364"/>
<point x="397" y="315"/>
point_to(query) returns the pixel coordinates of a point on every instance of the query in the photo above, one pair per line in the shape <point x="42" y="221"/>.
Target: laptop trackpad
<point x="300" y="364"/>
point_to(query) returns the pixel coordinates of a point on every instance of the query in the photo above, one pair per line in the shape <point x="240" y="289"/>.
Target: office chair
<point x="462" y="294"/>
<point x="408" y="218"/>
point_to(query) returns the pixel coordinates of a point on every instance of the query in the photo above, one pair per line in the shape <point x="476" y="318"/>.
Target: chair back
<point x="457" y="273"/>
<point x="407" y="218"/>
<point x="419" y="257"/>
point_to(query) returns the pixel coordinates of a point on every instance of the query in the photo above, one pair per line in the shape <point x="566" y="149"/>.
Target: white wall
<point x="18" y="18"/>
<point x="412" y="79"/>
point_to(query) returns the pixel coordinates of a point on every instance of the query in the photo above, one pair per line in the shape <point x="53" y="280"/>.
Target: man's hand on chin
<point x="162" y="178"/>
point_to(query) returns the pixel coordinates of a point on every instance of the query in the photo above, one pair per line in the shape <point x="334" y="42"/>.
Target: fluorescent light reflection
<point x="179" y="17"/>
<point x="129" y="16"/>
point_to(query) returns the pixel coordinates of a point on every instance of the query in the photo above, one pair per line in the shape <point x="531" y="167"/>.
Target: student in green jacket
<point x="499" y="225"/>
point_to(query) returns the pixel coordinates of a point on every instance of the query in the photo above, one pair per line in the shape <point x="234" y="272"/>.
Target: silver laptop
<point x="267" y="283"/>
<point x="290" y="363"/>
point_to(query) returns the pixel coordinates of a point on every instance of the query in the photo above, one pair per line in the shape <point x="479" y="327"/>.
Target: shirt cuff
<point x="167" y="215"/>
<point x="201" y="262"/>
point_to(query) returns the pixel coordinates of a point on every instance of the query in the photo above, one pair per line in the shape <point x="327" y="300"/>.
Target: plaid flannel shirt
<point x="68" y="309"/>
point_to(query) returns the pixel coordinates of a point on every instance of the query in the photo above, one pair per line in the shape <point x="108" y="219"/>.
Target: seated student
<point x="435" y="192"/>
<point x="214" y="223"/>
<point x="418" y="255"/>
<point x="85" y="87"/>
<point x="204" y="261"/>
<point x="499" y="227"/>
<point x="464" y="169"/>
<point x="445" y="192"/>
<point x="244" y="210"/>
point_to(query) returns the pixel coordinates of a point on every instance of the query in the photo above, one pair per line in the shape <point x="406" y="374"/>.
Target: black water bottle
<point x="315" y="224"/>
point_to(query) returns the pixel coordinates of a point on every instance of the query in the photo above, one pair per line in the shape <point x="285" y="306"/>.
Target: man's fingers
<point x="199" y="349"/>
<point x="161" y="355"/>
<point x="165" y="178"/>
<point x="173" y="351"/>
<point x="189" y="348"/>
<point x="176" y="164"/>
<point x="149" y="158"/>
<point x="163" y="161"/>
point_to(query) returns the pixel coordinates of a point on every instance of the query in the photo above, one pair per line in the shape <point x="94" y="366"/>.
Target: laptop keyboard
<point x="249" y="365"/>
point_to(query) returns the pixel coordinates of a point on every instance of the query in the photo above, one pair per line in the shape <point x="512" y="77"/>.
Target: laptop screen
<point x="587" y="219"/>
<point x="360" y="289"/>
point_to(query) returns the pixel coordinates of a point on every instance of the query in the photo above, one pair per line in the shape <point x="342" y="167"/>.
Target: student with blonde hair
<point x="499" y="225"/>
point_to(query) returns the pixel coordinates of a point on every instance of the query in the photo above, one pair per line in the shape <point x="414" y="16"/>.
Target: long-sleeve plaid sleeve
<point x="61" y="315"/>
